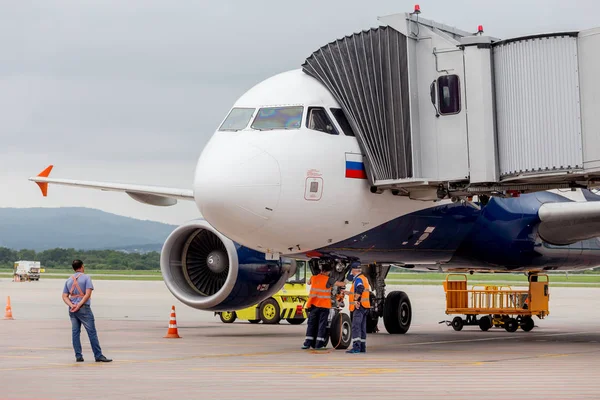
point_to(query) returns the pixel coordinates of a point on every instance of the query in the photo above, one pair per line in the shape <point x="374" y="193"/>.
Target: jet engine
<point x="206" y="270"/>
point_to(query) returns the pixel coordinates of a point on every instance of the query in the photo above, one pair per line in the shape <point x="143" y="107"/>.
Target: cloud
<point x="132" y="90"/>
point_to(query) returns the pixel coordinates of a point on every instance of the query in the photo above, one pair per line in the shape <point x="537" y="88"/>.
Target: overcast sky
<point x="131" y="91"/>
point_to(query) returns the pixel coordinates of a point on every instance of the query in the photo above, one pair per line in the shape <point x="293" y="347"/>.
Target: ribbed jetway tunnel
<point x="367" y="73"/>
<point x="439" y="112"/>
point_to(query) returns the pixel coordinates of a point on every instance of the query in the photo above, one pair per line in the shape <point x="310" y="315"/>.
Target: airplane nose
<point x="237" y="186"/>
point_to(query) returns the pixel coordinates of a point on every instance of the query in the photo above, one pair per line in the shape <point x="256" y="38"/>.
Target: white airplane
<point x="284" y="177"/>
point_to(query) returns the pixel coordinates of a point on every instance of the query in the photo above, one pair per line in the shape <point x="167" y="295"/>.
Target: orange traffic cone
<point x="8" y="312"/>
<point x="172" y="333"/>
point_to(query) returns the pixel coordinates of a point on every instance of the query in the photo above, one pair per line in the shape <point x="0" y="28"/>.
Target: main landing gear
<point x="395" y="308"/>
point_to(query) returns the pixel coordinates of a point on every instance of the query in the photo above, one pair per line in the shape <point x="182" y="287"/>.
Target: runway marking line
<point x="482" y="339"/>
<point x="40" y="348"/>
<point x="21" y="357"/>
<point x="258" y="354"/>
<point x="309" y="371"/>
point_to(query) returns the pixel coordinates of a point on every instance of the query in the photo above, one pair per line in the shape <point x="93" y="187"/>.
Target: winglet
<point x="44" y="185"/>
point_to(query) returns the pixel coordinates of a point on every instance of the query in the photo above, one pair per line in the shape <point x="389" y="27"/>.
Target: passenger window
<point x="449" y="94"/>
<point x="278" y="118"/>
<point x="318" y="120"/>
<point x="339" y="116"/>
<point x="237" y="119"/>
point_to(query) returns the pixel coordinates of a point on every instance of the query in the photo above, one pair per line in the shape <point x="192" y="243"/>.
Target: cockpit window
<point x="278" y="118"/>
<point x="318" y="120"/>
<point x="341" y="119"/>
<point x="237" y="119"/>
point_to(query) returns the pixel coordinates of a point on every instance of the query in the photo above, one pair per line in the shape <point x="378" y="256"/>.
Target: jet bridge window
<point x="449" y="94"/>
<point x="342" y="121"/>
<point x="318" y="120"/>
<point x="278" y="118"/>
<point x="237" y="119"/>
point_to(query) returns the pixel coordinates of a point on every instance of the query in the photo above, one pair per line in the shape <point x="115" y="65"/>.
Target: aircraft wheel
<point x="341" y="331"/>
<point x="527" y="324"/>
<point x="254" y="321"/>
<point x="511" y="325"/>
<point x="228" y="317"/>
<point x="457" y="323"/>
<point x="295" y="321"/>
<point x="485" y="323"/>
<point x="397" y="312"/>
<point x="270" y="312"/>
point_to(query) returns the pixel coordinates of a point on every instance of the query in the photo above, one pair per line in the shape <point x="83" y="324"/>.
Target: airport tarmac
<point x="557" y="360"/>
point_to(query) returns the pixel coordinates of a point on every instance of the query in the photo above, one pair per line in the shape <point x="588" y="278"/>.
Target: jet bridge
<point x="440" y="112"/>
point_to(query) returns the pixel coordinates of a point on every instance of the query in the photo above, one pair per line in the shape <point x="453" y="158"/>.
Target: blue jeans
<point x="86" y="317"/>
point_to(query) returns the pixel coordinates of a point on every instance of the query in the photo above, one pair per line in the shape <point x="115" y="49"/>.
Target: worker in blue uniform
<point x="359" y="305"/>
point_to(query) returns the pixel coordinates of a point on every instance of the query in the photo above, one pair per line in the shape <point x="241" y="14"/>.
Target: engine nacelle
<point x="208" y="271"/>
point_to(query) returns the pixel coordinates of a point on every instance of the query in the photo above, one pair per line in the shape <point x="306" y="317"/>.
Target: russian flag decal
<point x="355" y="168"/>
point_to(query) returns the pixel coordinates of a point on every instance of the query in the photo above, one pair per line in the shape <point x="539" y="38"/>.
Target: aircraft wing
<point x="569" y="222"/>
<point x="153" y="195"/>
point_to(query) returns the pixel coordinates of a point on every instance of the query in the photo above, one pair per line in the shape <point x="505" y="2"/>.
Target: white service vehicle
<point x="28" y="270"/>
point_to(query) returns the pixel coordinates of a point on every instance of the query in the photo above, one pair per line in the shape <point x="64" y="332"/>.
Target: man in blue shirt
<point x="76" y="294"/>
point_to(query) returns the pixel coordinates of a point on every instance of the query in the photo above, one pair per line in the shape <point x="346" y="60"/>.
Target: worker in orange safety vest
<point x="359" y="305"/>
<point x="318" y="306"/>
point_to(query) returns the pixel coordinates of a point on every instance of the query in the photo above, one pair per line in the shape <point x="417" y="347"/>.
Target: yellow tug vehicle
<point x="286" y="304"/>
<point x="498" y="306"/>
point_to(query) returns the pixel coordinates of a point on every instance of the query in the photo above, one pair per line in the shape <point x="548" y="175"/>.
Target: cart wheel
<point x="295" y="321"/>
<point x="511" y="325"/>
<point x="457" y="323"/>
<point x="485" y="323"/>
<point x="270" y="312"/>
<point x="228" y="316"/>
<point x="254" y="321"/>
<point x="527" y="324"/>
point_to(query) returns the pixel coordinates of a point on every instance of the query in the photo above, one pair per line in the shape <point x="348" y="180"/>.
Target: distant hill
<point x="79" y="228"/>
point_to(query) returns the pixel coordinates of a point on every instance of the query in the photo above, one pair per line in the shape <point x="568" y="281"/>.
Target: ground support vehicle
<point x="286" y="304"/>
<point x="497" y="306"/>
<point x="26" y="271"/>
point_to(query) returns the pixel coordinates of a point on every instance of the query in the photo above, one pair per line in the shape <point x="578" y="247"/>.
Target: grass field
<point x="554" y="277"/>
<point x="120" y="275"/>
<point x="66" y="271"/>
<point x="394" y="278"/>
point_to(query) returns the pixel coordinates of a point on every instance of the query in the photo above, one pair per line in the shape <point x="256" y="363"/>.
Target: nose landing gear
<point x="395" y="308"/>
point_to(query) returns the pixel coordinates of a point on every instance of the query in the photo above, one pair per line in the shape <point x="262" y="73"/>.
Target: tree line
<point x="93" y="259"/>
<point x="104" y="259"/>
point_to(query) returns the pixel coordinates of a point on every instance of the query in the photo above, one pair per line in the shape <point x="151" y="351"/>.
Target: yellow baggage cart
<point x="496" y="306"/>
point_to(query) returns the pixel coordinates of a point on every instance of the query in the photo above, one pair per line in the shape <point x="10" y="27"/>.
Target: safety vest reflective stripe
<point x="364" y="298"/>
<point x="318" y="288"/>
<point x="74" y="286"/>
